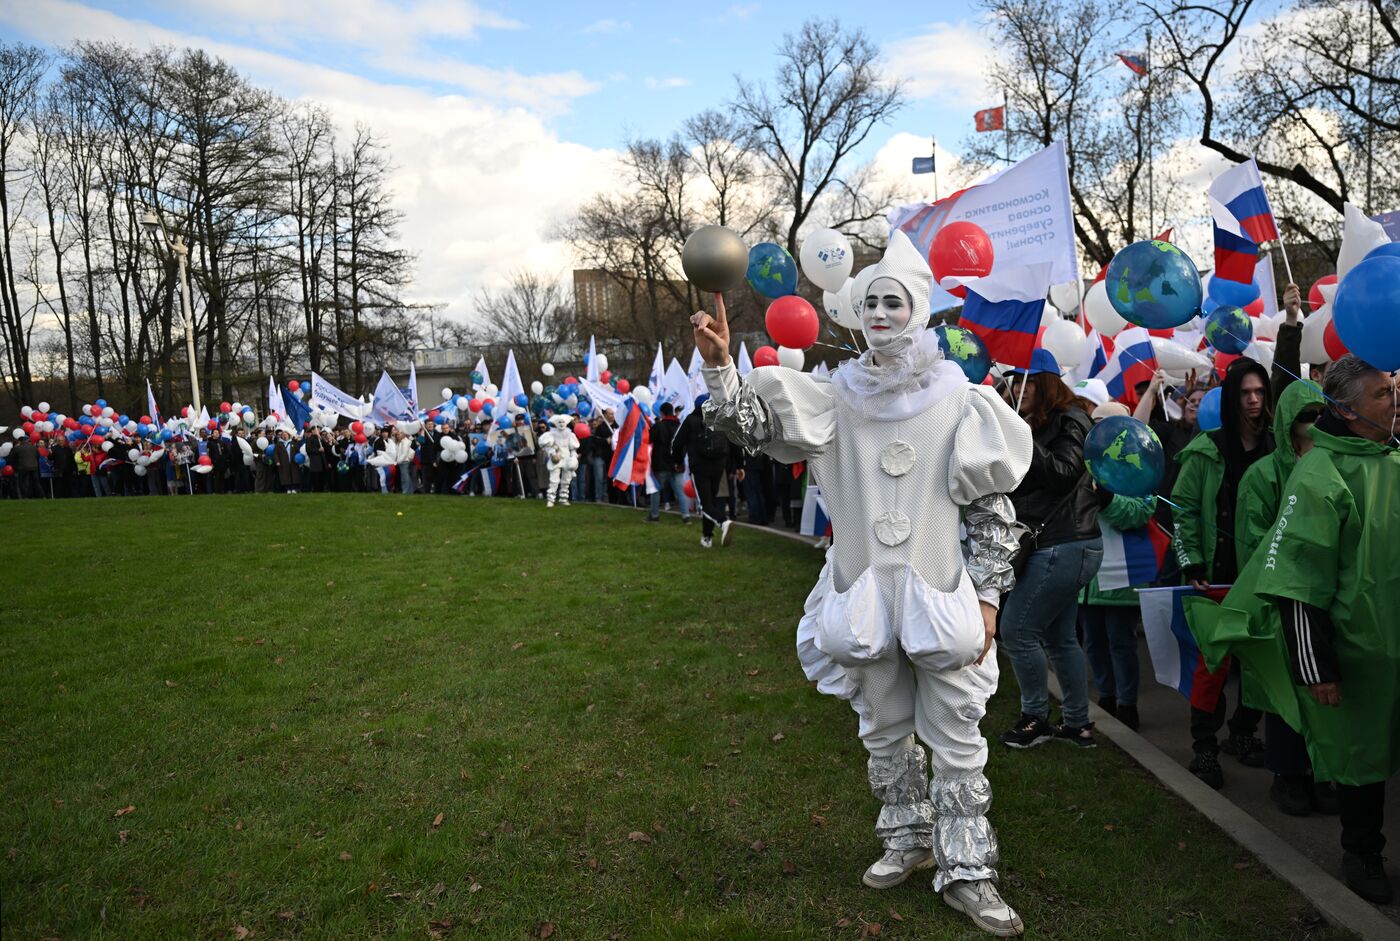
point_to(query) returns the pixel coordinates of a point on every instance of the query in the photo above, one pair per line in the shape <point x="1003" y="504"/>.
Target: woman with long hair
<point x="1057" y="504"/>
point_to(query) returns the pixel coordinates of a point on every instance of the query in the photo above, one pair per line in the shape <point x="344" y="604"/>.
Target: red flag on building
<point x="990" y="119"/>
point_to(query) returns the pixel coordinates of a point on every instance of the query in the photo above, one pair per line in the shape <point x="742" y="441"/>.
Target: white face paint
<point x="885" y="313"/>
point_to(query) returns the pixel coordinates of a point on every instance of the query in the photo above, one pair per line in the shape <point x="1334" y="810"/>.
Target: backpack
<point x="711" y="444"/>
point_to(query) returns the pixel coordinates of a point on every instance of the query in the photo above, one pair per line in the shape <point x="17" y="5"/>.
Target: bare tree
<point x="532" y="315"/>
<point x="827" y="97"/>
<point x="21" y="72"/>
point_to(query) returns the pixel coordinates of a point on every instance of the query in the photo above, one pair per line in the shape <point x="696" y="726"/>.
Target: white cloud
<point x="673" y="82"/>
<point x="480" y="185"/>
<point x="948" y="60"/>
<point x="608" y="26"/>
<point x="739" y="11"/>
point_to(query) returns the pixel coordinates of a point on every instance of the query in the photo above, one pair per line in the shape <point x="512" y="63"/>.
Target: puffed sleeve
<point x="992" y="449"/>
<point x="786" y="414"/>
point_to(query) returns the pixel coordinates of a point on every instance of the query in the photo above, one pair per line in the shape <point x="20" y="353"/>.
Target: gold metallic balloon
<point x="714" y="259"/>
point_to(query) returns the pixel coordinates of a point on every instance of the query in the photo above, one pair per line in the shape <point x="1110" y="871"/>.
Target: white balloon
<point x="480" y="395"/>
<point x="791" y="358"/>
<point x="839" y="308"/>
<point x="108" y="412"/>
<point x="1314" y="352"/>
<point x="370" y="427"/>
<point x="446" y="393"/>
<point x="1067" y="342"/>
<point x="263" y="443"/>
<point x="642" y="394"/>
<point x="6" y="448"/>
<point x="157" y="454"/>
<point x="462" y="402"/>
<point x="547" y="369"/>
<point x="26" y="410"/>
<point x="133" y="454"/>
<point x="1065" y="296"/>
<point x="106" y="446"/>
<point x="140" y="470"/>
<point x="602" y="362"/>
<point x="43" y="406"/>
<point x="1177" y="360"/>
<point x="826" y="256"/>
<point x="18" y="433"/>
<point x="537" y="387"/>
<point x="1102" y="317"/>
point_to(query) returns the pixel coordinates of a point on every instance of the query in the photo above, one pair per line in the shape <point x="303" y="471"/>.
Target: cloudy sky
<point x="504" y="116"/>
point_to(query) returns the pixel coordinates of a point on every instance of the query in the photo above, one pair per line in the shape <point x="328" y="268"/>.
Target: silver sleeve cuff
<point x="991" y="543"/>
<point x="734" y="410"/>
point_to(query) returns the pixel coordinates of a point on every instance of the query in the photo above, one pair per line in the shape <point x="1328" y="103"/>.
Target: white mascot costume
<point x="561" y="445"/>
<point x="906" y="452"/>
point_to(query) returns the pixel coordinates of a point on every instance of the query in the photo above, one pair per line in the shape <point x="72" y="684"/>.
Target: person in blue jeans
<point x="1110" y="618"/>
<point x="669" y="478"/>
<point x="1057" y="503"/>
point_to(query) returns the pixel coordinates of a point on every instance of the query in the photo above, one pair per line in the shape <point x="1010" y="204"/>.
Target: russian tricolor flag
<point x="1004" y="309"/>
<point x="1132" y="557"/>
<point x="1235" y="255"/>
<point x="1134" y="360"/>
<point x="1169" y="641"/>
<point x="1103" y="347"/>
<point x="815" y="521"/>
<point x="632" y="451"/>
<point x="1240" y="192"/>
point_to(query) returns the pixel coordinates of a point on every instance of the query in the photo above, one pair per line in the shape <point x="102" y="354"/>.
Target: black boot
<point x="1206" y="766"/>
<point x="1128" y="715"/>
<point x="1246" y="748"/>
<point x="1366" y="877"/>
<point x="1109" y="705"/>
<point x="1292" y="794"/>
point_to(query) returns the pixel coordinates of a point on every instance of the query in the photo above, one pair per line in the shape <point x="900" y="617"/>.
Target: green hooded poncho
<point x="1334" y="544"/>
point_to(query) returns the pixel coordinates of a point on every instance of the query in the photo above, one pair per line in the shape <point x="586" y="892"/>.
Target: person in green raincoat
<point x="1330" y="662"/>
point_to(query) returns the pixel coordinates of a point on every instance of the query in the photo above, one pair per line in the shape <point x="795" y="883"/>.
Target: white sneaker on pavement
<point x="895" y="866"/>
<point x="726" y="532"/>
<point x="980" y="901"/>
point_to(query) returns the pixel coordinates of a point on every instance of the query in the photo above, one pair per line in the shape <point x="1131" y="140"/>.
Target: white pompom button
<point x="896" y="458"/>
<point x="892" y="528"/>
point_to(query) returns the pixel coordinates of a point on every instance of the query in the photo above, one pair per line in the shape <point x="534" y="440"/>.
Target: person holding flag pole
<point x="902" y="619"/>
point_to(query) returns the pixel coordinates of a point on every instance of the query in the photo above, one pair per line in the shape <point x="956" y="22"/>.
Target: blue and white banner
<point x="326" y="396"/>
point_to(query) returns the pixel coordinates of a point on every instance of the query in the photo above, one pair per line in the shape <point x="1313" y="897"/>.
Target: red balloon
<point x="184" y="411"/>
<point x="357" y="426"/>
<point x="962" y="250"/>
<point x="689" y="488"/>
<point x="28" y="426"/>
<point x="205" y="460"/>
<point x="581" y="430"/>
<point x="792" y="322"/>
<point x="605" y="375"/>
<point x="225" y="407"/>
<point x="474" y="405"/>
<point x="213" y="425"/>
<point x="1223" y="361"/>
<point x="623" y="386"/>
<point x="1315" y="298"/>
<point x="39" y="416"/>
<point x="765" y="356"/>
<point x="1332" y="343"/>
<point x="34" y="437"/>
<point x="7" y="470"/>
<point x="360" y="438"/>
<point x="1255" y="307"/>
<point x="570" y="380"/>
<point x="145" y="419"/>
<point x="294" y="385"/>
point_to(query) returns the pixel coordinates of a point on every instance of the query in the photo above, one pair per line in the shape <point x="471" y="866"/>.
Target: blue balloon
<point x="487" y="408"/>
<point x="962" y="346"/>
<point x="1153" y="284"/>
<point x="1208" y="414"/>
<point x="585" y="407"/>
<point x="1232" y="293"/>
<point x="1229" y="330"/>
<point x="300" y="458"/>
<point x="270" y="450"/>
<point x="166" y="434"/>
<point x="439" y="419"/>
<point x="477" y="377"/>
<point x="772" y="271"/>
<point x="101" y="403"/>
<point x="522" y="400"/>
<point x="481" y="449"/>
<point x="1125" y="456"/>
<point x="1388" y="250"/>
<point x="1365" y="311"/>
<point x="503" y="421"/>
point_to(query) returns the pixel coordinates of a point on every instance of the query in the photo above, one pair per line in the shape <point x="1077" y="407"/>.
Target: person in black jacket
<point x="712" y="457"/>
<point x="1039" y="616"/>
<point x="670" y="477"/>
<point x="315" y="461"/>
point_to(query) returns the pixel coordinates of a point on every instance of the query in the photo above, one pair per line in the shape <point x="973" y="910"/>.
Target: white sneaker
<point x="549" y="503"/>
<point x="895" y="866"/>
<point x="726" y="532"/>
<point x="980" y="901"/>
<point x="705" y="542"/>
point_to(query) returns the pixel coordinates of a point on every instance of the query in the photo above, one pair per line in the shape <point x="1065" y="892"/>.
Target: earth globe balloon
<point x="771" y="271"/>
<point x="1154" y="284"/>
<point x="714" y="259"/>
<point x="960" y="345"/>
<point x="1125" y="456"/>
<point x="1229" y="329"/>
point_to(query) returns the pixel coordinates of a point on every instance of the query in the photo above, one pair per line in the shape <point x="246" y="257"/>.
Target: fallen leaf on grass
<point x="287" y="915"/>
<point x="437" y="821"/>
<point x="1241" y="865"/>
<point x="129" y="808"/>
<point x="171" y="683"/>
<point x="240" y="932"/>
<point x="475" y="887"/>
<point x="751" y="673"/>
<point x="758" y="846"/>
<point x="590" y="708"/>
<point x="896" y="915"/>
<point x="517" y="645"/>
<point x="545" y="930"/>
<point x="872" y="929"/>
<point x="637" y="836"/>
<point x="344" y="856"/>
<point x="1108" y="826"/>
<point x="818" y="819"/>
<point x="440" y="928"/>
<point x="788" y="868"/>
<point x="778" y="737"/>
<point x="843" y="923"/>
<point x="121" y="836"/>
<point x="438" y="889"/>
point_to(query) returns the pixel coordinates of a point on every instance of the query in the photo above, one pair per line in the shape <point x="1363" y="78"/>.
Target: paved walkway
<point x="1165" y="717"/>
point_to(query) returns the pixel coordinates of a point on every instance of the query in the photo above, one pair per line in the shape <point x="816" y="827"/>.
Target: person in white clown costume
<point x="909" y="456"/>
<point x="560" y="445"/>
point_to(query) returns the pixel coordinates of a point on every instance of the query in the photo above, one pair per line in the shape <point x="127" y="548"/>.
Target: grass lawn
<point x="311" y="717"/>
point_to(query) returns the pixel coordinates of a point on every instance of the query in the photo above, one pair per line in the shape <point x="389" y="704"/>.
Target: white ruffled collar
<point x="918" y="378"/>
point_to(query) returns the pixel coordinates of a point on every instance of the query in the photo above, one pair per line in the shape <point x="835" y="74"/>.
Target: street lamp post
<point x="181" y="251"/>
